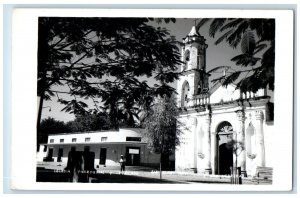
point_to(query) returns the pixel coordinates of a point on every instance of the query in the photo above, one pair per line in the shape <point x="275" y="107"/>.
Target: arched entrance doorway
<point x="224" y="148"/>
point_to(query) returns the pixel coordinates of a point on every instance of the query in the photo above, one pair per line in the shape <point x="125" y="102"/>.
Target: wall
<point x="112" y="156"/>
<point x="185" y="152"/>
<point x="115" y="144"/>
<point x="270" y="152"/>
<point x="41" y="153"/>
<point x="95" y="137"/>
<point x="225" y="94"/>
<point x="193" y="138"/>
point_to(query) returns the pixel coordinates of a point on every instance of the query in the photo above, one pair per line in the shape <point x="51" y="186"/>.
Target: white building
<point x="217" y="116"/>
<point x="107" y="146"/>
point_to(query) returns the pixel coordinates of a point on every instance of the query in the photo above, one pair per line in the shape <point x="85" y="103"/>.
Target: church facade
<point x="223" y="127"/>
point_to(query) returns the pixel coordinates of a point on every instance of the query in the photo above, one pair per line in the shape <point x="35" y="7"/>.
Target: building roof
<point x="102" y="131"/>
<point x="95" y="143"/>
<point x="122" y="135"/>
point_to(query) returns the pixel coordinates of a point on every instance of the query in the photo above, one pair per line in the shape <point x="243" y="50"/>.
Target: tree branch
<point x="63" y="92"/>
<point x="68" y="44"/>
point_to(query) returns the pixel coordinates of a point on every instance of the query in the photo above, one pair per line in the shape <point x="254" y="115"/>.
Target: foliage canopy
<point x="256" y="37"/>
<point x="104" y="58"/>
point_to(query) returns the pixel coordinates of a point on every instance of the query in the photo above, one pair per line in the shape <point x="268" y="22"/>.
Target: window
<point x="135" y="139"/>
<point x="186" y="59"/>
<point x="187" y="55"/>
<point x="88" y="139"/>
<point x="185" y="94"/>
<point x="74" y="139"/>
<point x="103" y="139"/>
<point x="61" y="140"/>
<point x="199" y="88"/>
<point x="51" y="140"/>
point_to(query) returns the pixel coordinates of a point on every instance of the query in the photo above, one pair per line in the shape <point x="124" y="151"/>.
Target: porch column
<point x="214" y="154"/>
<point x="207" y="145"/>
<point x="241" y="142"/>
<point x="259" y="136"/>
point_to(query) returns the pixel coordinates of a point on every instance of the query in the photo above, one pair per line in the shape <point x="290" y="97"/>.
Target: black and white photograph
<point x="155" y="100"/>
<point x="158" y="99"/>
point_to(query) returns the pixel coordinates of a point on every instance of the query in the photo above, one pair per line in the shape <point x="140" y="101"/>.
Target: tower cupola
<point x="194" y="80"/>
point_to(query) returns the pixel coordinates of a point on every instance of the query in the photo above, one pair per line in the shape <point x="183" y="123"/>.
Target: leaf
<point x="248" y="42"/>
<point x="216" y="24"/>
<point x="260" y="48"/>
<point x="173" y="20"/>
<point x="231" y="24"/>
<point x="231" y="78"/>
<point x="236" y="36"/>
<point x="201" y="23"/>
<point x="245" y="60"/>
<point x="224" y="36"/>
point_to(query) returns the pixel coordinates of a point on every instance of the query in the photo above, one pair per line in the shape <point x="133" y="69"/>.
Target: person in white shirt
<point x="122" y="164"/>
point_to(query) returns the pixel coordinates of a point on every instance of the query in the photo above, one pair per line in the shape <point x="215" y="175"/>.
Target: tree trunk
<point x="42" y="96"/>
<point x="38" y="123"/>
<point x="160" y="171"/>
<point x="40" y="111"/>
<point x="161" y="152"/>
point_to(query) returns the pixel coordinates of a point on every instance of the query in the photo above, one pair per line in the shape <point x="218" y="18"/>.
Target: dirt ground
<point x="54" y="172"/>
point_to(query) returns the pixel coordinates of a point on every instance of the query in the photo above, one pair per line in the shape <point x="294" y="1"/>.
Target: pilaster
<point x="260" y="145"/>
<point x="241" y="141"/>
<point x="207" y="144"/>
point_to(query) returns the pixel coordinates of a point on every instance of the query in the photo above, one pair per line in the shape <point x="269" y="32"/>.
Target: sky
<point x="216" y="55"/>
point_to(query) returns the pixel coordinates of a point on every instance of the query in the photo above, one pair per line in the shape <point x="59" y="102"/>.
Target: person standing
<point x="75" y="164"/>
<point x="122" y="164"/>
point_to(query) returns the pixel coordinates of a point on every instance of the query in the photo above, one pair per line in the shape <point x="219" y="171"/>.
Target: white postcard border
<point x="24" y="102"/>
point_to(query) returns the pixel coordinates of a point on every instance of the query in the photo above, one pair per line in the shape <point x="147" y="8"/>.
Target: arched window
<point x="187" y="55"/>
<point x="224" y="127"/>
<point x="225" y="132"/>
<point x="185" y="94"/>
<point x="186" y="59"/>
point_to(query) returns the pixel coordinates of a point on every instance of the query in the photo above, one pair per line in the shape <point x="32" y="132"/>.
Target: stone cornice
<point x="184" y="111"/>
<point x="235" y="105"/>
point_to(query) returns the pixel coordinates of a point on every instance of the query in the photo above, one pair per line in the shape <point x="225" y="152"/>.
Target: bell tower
<point x="194" y="80"/>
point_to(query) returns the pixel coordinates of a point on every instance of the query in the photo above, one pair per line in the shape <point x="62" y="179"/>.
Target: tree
<point x="51" y="126"/>
<point x="82" y="123"/>
<point x="103" y="59"/>
<point x="90" y="122"/>
<point x="161" y="127"/>
<point x="237" y="148"/>
<point x="256" y="38"/>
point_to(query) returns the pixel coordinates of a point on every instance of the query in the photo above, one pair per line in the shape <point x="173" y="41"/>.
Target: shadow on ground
<point x="208" y="182"/>
<point x="115" y="178"/>
<point x="46" y="175"/>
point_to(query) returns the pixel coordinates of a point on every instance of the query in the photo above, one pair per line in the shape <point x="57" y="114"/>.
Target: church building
<point x="223" y="127"/>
